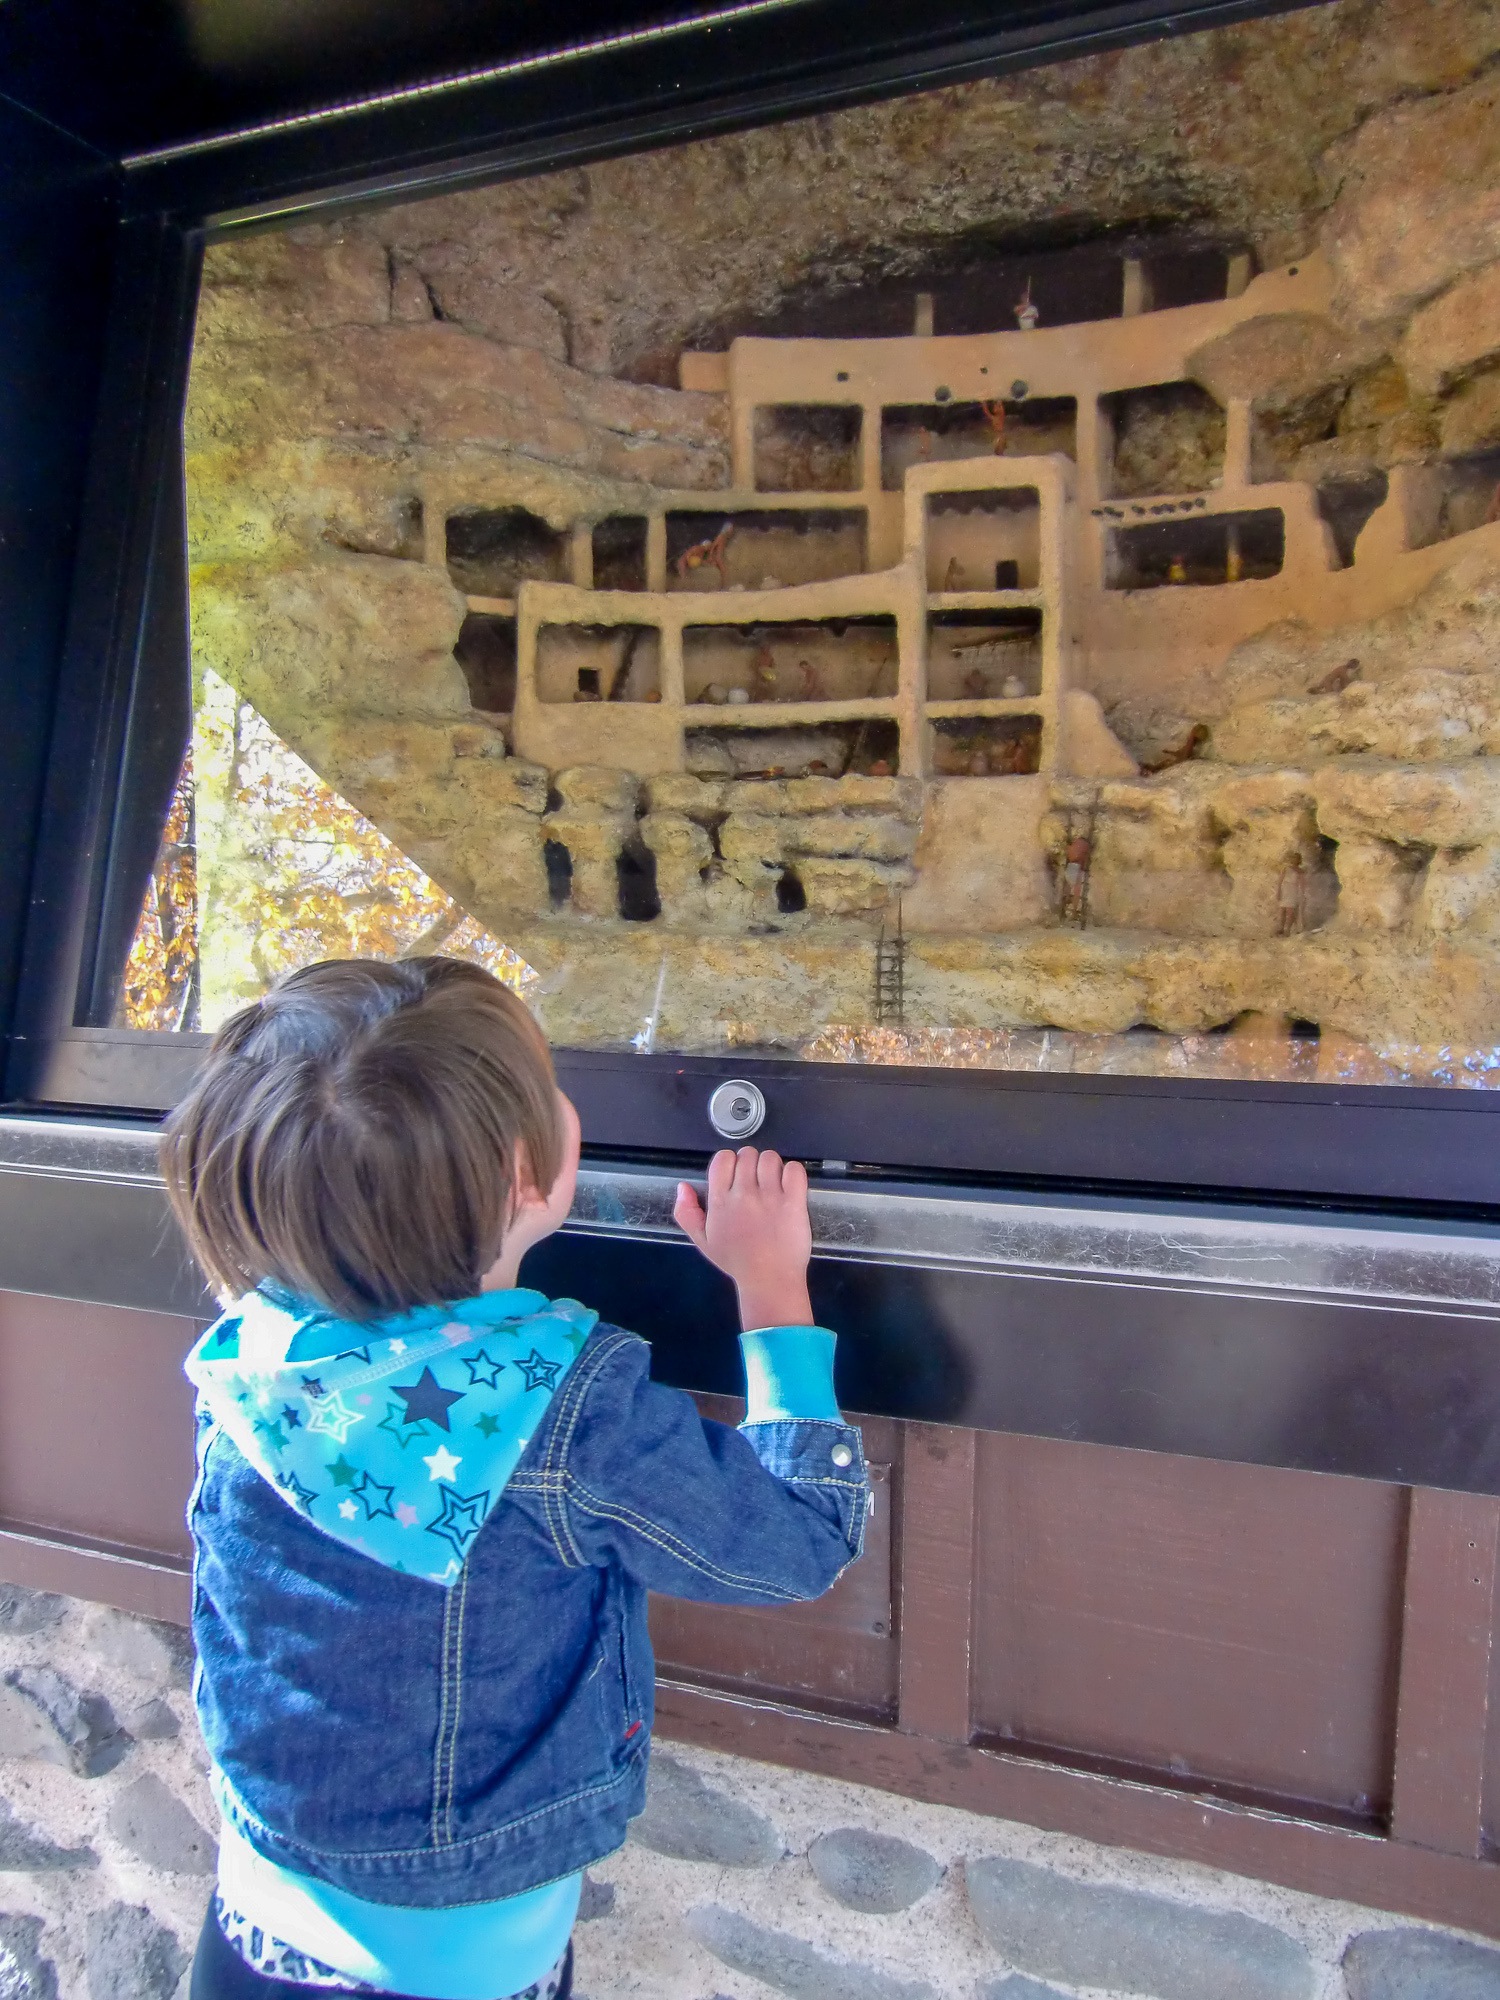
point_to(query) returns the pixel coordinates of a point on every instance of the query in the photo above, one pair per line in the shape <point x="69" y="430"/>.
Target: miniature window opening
<point x="996" y="427"/>
<point x="1197" y="549"/>
<point x="807" y="447"/>
<point x="1168" y="438"/>
<point x="1346" y="506"/>
<point x="791" y="896"/>
<point x="486" y="651"/>
<point x="619" y="550"/>
<point x="606" y="663"/>
<point x="813" y="660"/>
<point x="492" y="551"/>
<point x="986" y="540"/>
<point x="559" y="865"/>
<point x="769" y="548"/>
<point x="1003" y="746"/>
<point x="868" y="748"/>
<point x="1186" y="274"/>
<point x="635" y="869"/>
<point x="984" y="656"/>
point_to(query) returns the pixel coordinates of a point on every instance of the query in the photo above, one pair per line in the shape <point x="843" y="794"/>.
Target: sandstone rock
<point x="128" y="1955"/>
<point x="676" y="792"/>
<point x="1447" y="718"/>
<point x="293" y="281"/>
<point x="436" y="387"/>
<point x="1431" y="805"/>
<point x="694" y="1821"/>
<point x="502" y="856"/>
<point x="872" y="1872"/>
<point x="1156" y="863"/>
<point x="1471" y="421"/>
<point x="789" y="1965"/>
<point x="586" y="785"/>
<point x="1268" y="818"/>
<point x="593" y="839"/>
<point x="1453" y="335"/>
<point x="469" y="292"/>
<point x="1460" y="895"/>
<point x="862" y="836"/>
<point x="411" y="302"/>
<point x="1167" y="439"/>
<point x="751" y="843"/>
<point x="682" y="852"/>
<point x="485" y="785"/>
<point x="854" y="793"/>
<point x="352" y="633"/>
<point x="752" y="754"/>
<point x="1281" y="363"/>
<point x="24" y="1973"/>
<point x="979" y="860"/>
<point x="1417" y="203"/>
<point x="151" y="1822"/>
<point x="842" y="888"/>
<point x="1419" y="1965"/>
<point x="1378" y="883"/>
<point x="1092" y="1934"/>
<point x="1090" y="748"/>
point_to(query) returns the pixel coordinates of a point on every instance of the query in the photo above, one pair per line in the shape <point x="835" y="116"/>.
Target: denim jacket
<point x="432" y="1740"/>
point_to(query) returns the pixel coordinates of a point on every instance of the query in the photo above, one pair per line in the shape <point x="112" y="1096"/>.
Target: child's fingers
<point x="768" y="1173"/>
<point x="687" y="1210"/>
<point x="721" y="1170"/>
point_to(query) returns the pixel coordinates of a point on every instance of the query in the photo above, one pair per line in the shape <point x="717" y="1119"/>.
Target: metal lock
<point x="736" y="1109"/>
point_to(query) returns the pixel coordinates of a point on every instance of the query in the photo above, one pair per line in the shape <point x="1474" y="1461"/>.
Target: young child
<point x="430" y="1503"/>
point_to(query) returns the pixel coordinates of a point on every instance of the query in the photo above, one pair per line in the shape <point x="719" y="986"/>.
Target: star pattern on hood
<point x="426" y="1400"/>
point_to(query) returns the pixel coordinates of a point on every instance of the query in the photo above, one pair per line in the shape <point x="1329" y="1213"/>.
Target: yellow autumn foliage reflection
<point x="263" y="868"/>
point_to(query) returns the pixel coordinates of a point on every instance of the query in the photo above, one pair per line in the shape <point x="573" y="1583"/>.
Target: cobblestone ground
<point x="740" y="1880"/>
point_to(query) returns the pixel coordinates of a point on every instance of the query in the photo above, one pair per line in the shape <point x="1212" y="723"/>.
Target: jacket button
<point x="841" y="1455"/>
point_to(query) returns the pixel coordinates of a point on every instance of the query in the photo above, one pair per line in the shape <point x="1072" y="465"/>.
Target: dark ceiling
<point x="128" y="75"/>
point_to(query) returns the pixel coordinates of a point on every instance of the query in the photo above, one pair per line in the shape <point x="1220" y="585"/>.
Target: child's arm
<point x="764" y="1515"/>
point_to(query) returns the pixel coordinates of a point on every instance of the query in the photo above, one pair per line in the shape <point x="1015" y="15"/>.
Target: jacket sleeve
<point x="631" y="1474"/>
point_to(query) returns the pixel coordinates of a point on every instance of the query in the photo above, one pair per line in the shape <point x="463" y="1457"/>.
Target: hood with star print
<point x="397" y="1438"/>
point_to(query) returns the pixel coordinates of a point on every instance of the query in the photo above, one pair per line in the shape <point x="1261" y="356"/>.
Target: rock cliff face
<point x="1326" y="849"/>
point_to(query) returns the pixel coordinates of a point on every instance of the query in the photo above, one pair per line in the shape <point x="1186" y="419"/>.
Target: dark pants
<point x="219" y="1973"/>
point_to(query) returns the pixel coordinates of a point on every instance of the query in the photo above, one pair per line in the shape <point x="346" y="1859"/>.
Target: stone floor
<point x="740" y="1881"/>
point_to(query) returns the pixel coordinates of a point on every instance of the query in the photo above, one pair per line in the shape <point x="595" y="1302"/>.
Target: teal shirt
<point x="482" y="1950"/>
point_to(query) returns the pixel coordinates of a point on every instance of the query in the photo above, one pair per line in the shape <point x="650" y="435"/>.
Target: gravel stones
<point x="24" y="1974"/>
<point x="153" y="1824"/>
<point x="26" y="1850"/>
<point x="1090" y="1934"/>
<point x="790" y="1965"/>
<point x="691" y="1821"/>
<point x="128" y="1955"/>
<point x="872" y="1872"/>
<point x="596" y="1900"/>
<point x="43" y="1715"/>
<point x="1419" y="1965"/>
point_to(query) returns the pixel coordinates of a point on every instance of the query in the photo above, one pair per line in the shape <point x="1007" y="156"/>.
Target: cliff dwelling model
<point x="1133" y="672"/>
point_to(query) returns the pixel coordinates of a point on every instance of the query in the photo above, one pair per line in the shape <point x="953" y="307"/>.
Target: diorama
<point x="1008" y="577"/>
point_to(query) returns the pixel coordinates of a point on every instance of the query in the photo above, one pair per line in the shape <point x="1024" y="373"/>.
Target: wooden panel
<point x="96" y="1421"/>
<point x="937" y="1581"/>
<point x="1446" y="1662"/>
<point x="838" y="1651"/>
<point x="1201" y="1621"/>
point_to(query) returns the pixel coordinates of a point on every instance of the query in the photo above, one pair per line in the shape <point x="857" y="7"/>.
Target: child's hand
<point x="756" y="1231"/>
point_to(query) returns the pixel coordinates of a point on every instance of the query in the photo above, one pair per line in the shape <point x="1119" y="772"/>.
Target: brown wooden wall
<point x="1284" y="1673"/>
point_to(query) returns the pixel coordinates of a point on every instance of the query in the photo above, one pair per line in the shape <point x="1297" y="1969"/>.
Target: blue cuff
<point x="789" y="1373"/>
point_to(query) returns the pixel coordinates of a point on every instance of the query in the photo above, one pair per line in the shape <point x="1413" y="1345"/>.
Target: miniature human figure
<point x="976" y="684"/>
<point x="979" y="765"/>
<point x="953" y="575"/>
<point x="1027" y="315"/>
<point x="1291" y="897"/>
<point x="994" y="416"/>
<point x="1075" y="876"/>
<point x="706" y="555"/>
<point x="1177" y="570"/>
<point x="398" y="1143"/>
<point x="1337" y="679"/>
<point x="924" y="443"/>
<point x="880" y="767"/>
<point x="1013" y="688"/>
<point x="763" y="674"/>
<point x="812" y="681"/>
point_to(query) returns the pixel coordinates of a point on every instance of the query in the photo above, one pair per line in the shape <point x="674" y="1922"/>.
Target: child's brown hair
<point x="354" y="1137"/>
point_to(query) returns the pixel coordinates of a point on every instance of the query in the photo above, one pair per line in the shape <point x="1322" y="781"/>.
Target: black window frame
<point x="122" y="713"/>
